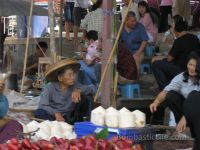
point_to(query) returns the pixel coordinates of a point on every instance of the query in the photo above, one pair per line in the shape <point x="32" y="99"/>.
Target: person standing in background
<point x="79" y="12"/>
<point x="134" y="8"/>
<point x="182" y="8"/>
<point x="68" y="14"/>
<point x="165" y="9"/>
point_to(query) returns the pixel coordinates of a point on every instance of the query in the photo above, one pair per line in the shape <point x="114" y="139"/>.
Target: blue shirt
<point x="133" y="39"/>
<point x="3" y="105"/>
<point x="53" y="100"/>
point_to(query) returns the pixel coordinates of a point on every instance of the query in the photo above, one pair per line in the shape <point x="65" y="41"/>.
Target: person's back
<point x="184" y="45"/>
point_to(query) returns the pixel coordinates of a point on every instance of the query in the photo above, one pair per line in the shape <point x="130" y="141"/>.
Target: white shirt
<point x="134" y="8"/>
<point x="82" y="3"/>
<point x="184" y="88"/>
<point x="92" y="50"/>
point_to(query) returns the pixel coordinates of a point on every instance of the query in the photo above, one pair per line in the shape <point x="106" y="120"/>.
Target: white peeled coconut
<point x="67" y="129"/>
<point x="126" y="118"/>
<point x="25" y="128"/>
<point x="98" y="116"/>
<point x="112" y="117"/>
<point x="44" y="131"/>
<point x="33" y="126"/>
<point x="140" y="118"/>
<point x="56" y="130"/>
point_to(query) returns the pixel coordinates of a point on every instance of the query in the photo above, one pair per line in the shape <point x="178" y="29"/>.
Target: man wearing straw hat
<point x="63" y="99"/>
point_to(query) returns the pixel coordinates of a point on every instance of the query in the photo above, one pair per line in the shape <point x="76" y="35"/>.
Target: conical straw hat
<point x="51" y="73"/>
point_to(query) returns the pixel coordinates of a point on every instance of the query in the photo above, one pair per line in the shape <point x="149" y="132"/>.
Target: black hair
<point x="130" y="14"/>
<point x="96" y="5"/>
<point x="42" y="45"/>
<point x="177" y="18"/>
<point x="92" y="35"/>
<point x="193" y="55"/>
<point x="148" y="10"/>
<point x="181" y="24"/>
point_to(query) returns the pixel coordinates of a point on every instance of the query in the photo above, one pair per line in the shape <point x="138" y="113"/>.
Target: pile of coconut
<point x="118" y="119"/>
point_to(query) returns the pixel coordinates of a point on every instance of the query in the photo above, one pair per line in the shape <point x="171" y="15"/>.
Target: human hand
<point x="59" y="117"/>
<point x="76" y="95"/>
<point x="153" y="107"/>
<point x="181" y="126"/>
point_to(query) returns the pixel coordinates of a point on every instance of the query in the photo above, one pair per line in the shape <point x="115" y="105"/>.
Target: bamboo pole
<point x="114" y="102"/>
<point x="112" y="53"/>
<point x="52" y="32"/>
<point x="27" y="45"/>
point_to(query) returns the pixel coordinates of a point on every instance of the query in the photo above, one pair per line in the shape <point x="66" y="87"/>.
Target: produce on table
<point x="111" y="117"/>
<point x="86" y="143"/>
<point x="114" y="118"/>
<point x="126" y="118"/>
<point x="98" y="116"/>
<point x="140" y="118"/>
<point x="49" y="129"/>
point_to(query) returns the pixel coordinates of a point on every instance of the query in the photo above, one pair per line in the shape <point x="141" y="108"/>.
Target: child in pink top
<point x="148" y="20"/>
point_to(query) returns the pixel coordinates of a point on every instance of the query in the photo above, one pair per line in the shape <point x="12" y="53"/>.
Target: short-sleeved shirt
<point x="92" y="50"/>
<point x="3" y="105"/>
<point x="93" y="21"/>
<point x="53" y="100"/>
<point x="182" y="47"/>
<point x="184" y="88"/>
<point x="132" y="40"/>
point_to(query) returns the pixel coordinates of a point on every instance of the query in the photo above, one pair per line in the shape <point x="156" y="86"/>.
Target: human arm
<point x="175" y="85"/>
<point x="45" y="104"/>
<point x="174" y="52"/>
<point x="159" y="99"/>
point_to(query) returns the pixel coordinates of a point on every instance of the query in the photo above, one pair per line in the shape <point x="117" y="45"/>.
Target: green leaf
<point x="103" y="134"/>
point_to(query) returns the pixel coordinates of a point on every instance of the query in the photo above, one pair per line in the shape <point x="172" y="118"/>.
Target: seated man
<point x="90" y="65"/>
<point x="33" y="60"/>
<point x="63" y="99"/>
<point x="134" y="37"/>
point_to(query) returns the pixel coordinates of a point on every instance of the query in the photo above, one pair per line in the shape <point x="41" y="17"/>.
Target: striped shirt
<point x="93" y="21"/>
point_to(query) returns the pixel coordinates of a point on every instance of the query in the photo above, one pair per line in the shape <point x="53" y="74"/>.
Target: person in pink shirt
<point x="149" y="20"/>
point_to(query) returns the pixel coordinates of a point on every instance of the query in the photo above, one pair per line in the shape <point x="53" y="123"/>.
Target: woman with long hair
<point x="182" y="96"/>
<point x="149" y="20"/>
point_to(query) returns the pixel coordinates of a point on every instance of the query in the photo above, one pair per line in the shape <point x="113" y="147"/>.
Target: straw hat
<point x="51" y="73"/>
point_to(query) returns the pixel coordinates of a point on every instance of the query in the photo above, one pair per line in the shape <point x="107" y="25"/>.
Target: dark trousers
<point x="164" y="72"/>
<point x="190" y="108"/>
<point x="165" y="11"/>
<point x="82" y="110"/>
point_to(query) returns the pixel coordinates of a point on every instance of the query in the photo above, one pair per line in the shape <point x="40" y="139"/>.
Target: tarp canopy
<point x="20" y="8"/>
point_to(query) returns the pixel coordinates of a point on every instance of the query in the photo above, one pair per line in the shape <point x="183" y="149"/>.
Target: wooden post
<point x="27" y="45"/>
<point x="61" y="18"/>
<point x="107" y="47"/>
<point x="52" y="32"/>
